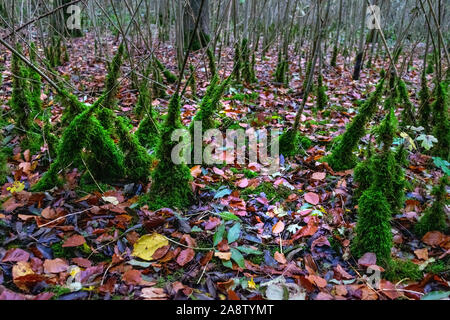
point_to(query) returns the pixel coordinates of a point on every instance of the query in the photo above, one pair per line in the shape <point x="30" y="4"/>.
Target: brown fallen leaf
<point x="319" y="175"/>
<point x="16" y="255"/>
<point x="278" y="227"/>
<point x="223" y="255"/>
<point x="132" y="277"/>
<point x="74" y="241"/>
<point x="367" y="259"/>
<point x="421" y="253"/>
<point x="55" y="266"/>
<point x="279" y="257"/>
<point x="312" y="198"/>
<point x="185" y="257"/>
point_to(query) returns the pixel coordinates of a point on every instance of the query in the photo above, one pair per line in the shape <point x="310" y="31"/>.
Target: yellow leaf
<point x="251" y="284"/>
<point x="17" y="187"/>
<point x="146" y="246"/>
<point x="405" y="136"/>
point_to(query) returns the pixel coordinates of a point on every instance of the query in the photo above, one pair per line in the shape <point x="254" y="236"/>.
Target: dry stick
<point x="41" y="17"/>
<point x="63" y="217"/>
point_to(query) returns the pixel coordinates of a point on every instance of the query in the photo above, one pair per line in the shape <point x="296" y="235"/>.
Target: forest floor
<point x="249" y="236"/>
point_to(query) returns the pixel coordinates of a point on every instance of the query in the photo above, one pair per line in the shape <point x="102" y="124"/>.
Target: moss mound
<point x="342" y="157"/>
<point x="434" y="218"/>
<point x="373" y="229"/>
<point x="170" y="182"/>
<point x="441" y="130"/>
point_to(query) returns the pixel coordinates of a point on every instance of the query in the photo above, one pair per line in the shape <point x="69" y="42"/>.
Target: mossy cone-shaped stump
<point x="170" y="182"/>
<point x="373" y="229"/>
<point x="291" y="143"/>
<point x="434" y="218"/>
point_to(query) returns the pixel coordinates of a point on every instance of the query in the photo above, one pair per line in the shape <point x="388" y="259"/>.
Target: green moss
<point x="86" y="139"/>
<point x="36" y="82"/>
<point x="322" y="98"/>
<point x="272" y="194"/>
<point x="51" y="140"/>
<point x="193" y="82"/>
<point x="72" y="107"/>
<point x="212" y="62"/>
<point x="425" y="106"/>
<point x="408" y="112"/>
<point x="58" y="291"/>
<point x="342" y="157"/>
<point x="148" y="131"/>
<point x="248" y="74"/>
<point x="397" y="270"/>
<point x="441" y="123"/>
<point x="112" y="83"/>
<point x="21" y="102"/>
<point x="282" y="70"/>
<point x="440" y="266"/>
<point x="170" y="182"/>
<point x="170" y="77"/>
<point x="373" y="229"/>
<point x="3" y="166"/>
<point x="293" y="143"/>
<point x="210" y="104"/>
<point x="145" y="96"/>
<point x="434" y="218"/>
<point x="137" y="161"/>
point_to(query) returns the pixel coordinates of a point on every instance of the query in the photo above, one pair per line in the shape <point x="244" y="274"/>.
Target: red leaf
<point x="74" y="241"/>
<point x="312" y="198"/>
<point x="185" y="257"/>
<point x="16" y="255"/>
<point x="368" y="259"/>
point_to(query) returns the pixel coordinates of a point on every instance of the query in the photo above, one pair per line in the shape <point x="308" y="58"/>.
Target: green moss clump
<point x="322" y="98"/>
<point x="112" y="83"/>
<point x="272" y="194"/>
<point x="407" y="116"/>
<point x="293" y="143"/>
<point x="51" y="140"/>
<point x="212" y="62"/>
<point x="434" y="218"/>
<point x="148" y="131"/>
<point x="137" y="161"/>
<point x="397" y="270"/>
<point x="21" y="102"/>
<point x="145" y="96"/>
<point x="373" y="228"/>
<point x="210" y="104"/>
<point x="170" y="77"/>
<point x="85" y="139"/>
<point x="170" y="182"/>
<point x="425" y="106"/>
<point x="72" y="107"/>
<point x="247" y="73"/>
<point x="36" y="82"/>
<point x="158" y="87"/>
<point x="342" y="157"/>
<point x="441" y="130"/>
<point x="363" y="174"/>
<point x="3" y="166"/>
<point x="193" y="82"/>
<point x="282" y="70"/>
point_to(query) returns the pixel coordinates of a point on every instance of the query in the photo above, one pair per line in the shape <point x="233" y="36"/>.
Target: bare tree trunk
<point x="192" y="11"/>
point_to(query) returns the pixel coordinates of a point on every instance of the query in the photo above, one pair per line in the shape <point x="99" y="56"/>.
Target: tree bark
<point x="191" y="13"/>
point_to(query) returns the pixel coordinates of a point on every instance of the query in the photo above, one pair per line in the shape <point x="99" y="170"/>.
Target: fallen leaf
<point x="185" y="257"/>
<point x="223" y="255"/>
<point x="421" y="253"/>
<point x="147" y="245"/>
<point x="319" y="175"/>
<point x="278" y="227"/>
<point x="368" y="259"/>
<point x="280" y="257"/>
<point x="74" y="241"/>
<point x="153" y="294"/>
<point x="55" y="266"/>
<point x="312" y="198"/>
